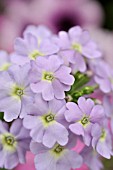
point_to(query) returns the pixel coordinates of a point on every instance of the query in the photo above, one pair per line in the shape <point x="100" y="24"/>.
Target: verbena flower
<point x="40" y="31"/>
<point x="14" y="142"/>
<point x="104" y="76"/>
<point x="5" y="62"/>
<point x="15" y="92"/>
<point x="50" y="77"/>
<point x="33" y="46"/>
<point x="102" y="140"/>
<point x="78" y="45"/>
<point x="108" y="106"/>
<point x="46" y="121"/>
<point x="56" y="158"/>
<point x="91" y="158"/>
<point x="83" y="116"/>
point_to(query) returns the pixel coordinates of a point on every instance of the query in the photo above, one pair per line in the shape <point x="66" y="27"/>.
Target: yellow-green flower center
<point x="17" y="91"/>
<point x="5" y="67"/>
<point x="58" y="149"/>
<point x="77" y="47"/>
<point x="103" y="135"/>
<point x="33" y="55"/>
<point x="48" y="119"/>
<point x="47" y="76"/>
<point x="85" y="120"/>
<point x="9" y="140"/>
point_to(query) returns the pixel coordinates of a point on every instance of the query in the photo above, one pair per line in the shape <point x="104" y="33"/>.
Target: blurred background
<point x="94" y="15"/>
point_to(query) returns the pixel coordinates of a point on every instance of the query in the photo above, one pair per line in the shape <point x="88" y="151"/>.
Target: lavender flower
<point x="83" y="116"/>
<point x="102" y="141"/>
<point x="108" y="106"/>
<point x="77" y="44"/>
<point x="33" y="46"/>
<point x="40" y="31"/>
<point x="4" y="61"/>
<point x="14" y="143"/>
<point x="91" y="158"/>
<point x="50" y="77"/>
<point x="56" y="158"/>
<point x="46" y="121"/>
<point x="15" y="92"/>
<point x="104" y="76"/>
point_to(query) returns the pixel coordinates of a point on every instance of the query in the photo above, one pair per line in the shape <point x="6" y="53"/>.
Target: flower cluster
<point x="49" y="100"/>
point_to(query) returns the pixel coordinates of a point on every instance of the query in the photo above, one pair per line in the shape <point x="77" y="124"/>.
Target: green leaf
<point x="1" y="115"/>
<point x="108" y="164"/>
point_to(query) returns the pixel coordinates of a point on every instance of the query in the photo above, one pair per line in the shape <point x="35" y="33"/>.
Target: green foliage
<point x="108" y="164"/>
<point x="1" y="115"/>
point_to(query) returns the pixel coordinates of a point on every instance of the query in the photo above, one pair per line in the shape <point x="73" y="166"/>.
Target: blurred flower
<point x="15" y="92"/>
<point x="102" y="140"/>
<point x="108" y="105"/>
<point x="104" y="39"/>
<point x="14" y="143"/>
<point x="76" y="46"/>
<point x="104" y="76"/>
<point x="91" y="158"/>
<point x="4" y="61"/>
<point x="33" y="46"/>
<point x="58" y="157"/>
<point x="56" y="14"/>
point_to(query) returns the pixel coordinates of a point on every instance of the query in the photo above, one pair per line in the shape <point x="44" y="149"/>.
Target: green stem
<point x="1" y="115"/>
<point x="84" y="91"/>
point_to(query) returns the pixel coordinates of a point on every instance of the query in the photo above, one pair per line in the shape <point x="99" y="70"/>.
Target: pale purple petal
<point x="64" y="38"/>
<point x="79" y="64"/>
<point x="47" y="47"/>
<point x="103" y="149"/>
<point x="21" y="155"/>
<point x="11" y="161"/>
<point x="44" y="161"/>
<point x="104" y="84"/>
<point x="73" y="113"/>
<point x="48" y="92"/>
<point x="30" y="122"/>
<point x="19" y="60"/>
<point x="63" y="74"/>
<point x="15" y="127"/>
<point x="37" y="148"/>
<point x="54" y="63"/>
<point x="2" y="127"/>
<point x="77" y="128"/>
<point x="11" y="108"/>
<point x="21" y="47"/>
<point x="75" y="32"/>
<point x="75" y="159"/>
<point x="58" y="89"/>
<point x="38" y="87"/>
<point x="55" y="133"/>
<point x="68" y="56"/>
<point x="97" y="114"/>
<point x="85" y="105"/>
<point x="55" y="105"/>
